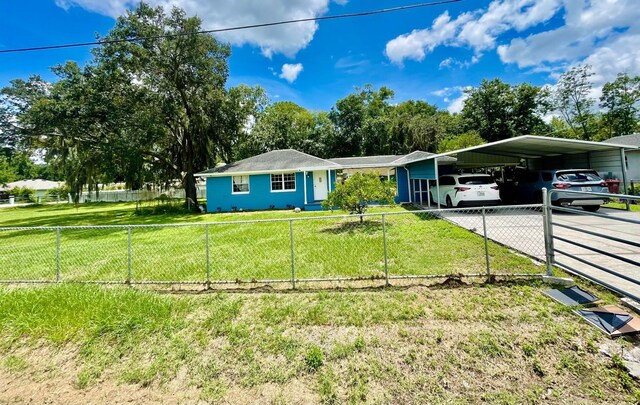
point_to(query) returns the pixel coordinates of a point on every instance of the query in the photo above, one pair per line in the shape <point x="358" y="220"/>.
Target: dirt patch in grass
<point x="462" y="344"/>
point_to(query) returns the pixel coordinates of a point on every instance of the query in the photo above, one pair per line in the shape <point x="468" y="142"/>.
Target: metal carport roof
<point x="539" y="148"/>
<point x="532" y="146"/>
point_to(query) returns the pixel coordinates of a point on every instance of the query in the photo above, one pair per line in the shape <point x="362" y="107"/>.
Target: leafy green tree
<point x="415" y="125"/>
<point x="488" y="110"/>
<point x="573" y="100"/>
<point x="462" y="141"/>
<point x="7" y="173"/>
<point x="358" y="191"/>
<point x="498" y="110"/>
<point x="242" y="107"/>
<point x="530" y="104"/>
<point x="360" y="121"/>
<point x="282" y="125"/>
<point x="620" y="99"/>
<point x="15" y="101"/>
<point x="184" y="75"/>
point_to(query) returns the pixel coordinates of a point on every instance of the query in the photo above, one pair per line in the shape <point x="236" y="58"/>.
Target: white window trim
<point x="295" y="183"/>
<point x="248" y="184"/>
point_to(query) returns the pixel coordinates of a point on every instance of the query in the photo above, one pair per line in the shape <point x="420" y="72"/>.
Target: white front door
<point x="320" y="190"/>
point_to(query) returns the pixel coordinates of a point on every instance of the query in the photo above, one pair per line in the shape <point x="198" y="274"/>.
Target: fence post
<point x="547" y="227"/>
<point x="384" y="241"/>
<point x="206" y="237"/>
<point x="293" y="261"/>
<point x="57" y="254"/>
<point x="129" y="269"/>
<point x="486" y="242"/>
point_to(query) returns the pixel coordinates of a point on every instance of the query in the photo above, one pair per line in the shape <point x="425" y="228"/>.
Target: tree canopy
<point x="358" y="191"/>
<point x="156" y="111"/>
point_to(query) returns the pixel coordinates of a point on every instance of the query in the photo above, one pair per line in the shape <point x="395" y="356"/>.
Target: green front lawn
<point x="323" y="247"/>
<point x="505" y="344"/>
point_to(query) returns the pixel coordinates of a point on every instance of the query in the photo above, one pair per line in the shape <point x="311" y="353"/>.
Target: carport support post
<point x="548" y="230"/>
<point x="293" y="261"/>
<point x="486" y="242"/>
<point x="623" y="163"/>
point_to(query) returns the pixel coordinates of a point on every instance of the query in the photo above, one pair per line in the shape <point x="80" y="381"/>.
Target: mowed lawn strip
<point x="485" y="343"/>
<point x="417" y="244"/>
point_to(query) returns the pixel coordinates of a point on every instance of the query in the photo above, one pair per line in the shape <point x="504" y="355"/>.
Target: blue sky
<point x="430" y="53"/>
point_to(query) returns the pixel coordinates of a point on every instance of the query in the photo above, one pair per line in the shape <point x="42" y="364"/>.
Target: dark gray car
<point x="528" y="184"/>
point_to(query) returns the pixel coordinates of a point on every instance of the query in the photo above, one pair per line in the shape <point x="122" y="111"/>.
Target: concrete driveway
<point x="521" y="228"/>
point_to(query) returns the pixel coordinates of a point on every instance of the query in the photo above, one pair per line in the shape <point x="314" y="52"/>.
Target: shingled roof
<point x="420" y="155"/>
<point x="366" y="161"/>
<point x="627" y="140"/>
<point x="274" y="161"/>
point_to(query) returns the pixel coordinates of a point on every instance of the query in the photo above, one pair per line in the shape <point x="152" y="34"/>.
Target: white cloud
<point x="290" y="71"/>
<point x="604" y="34"/>
<point x="457" y="104"/>
<point x="286" y="39"/>
<point x="477" y="30"/>
<point x="353" y="64"/>
<point x="445" y="63"/>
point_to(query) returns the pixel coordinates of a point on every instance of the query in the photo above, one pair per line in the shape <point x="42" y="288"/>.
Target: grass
<point x="416" y="245"/>
<point x="622" y="206"/>
<point x="78" y="343"/>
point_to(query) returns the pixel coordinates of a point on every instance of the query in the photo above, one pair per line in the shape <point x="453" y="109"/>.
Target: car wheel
<point x="449" y="203"/>
<point x="591" y="208"/>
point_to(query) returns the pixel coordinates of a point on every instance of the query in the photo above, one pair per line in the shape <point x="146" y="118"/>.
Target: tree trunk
<point x="190" y="192"/>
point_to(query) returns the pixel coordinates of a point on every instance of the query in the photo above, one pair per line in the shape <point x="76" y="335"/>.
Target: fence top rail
<point x="595" y="214"/>
<point x="431" y="211"/>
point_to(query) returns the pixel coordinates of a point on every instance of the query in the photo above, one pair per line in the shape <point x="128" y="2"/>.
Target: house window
<point x="283" y="182"/>
<point x="240" y="184"/>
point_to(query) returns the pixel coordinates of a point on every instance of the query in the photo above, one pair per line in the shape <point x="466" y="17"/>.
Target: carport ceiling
<point x="531" y="147"/>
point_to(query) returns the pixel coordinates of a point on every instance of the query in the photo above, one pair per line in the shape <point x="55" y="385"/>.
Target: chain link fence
<point x="379" y="247"/>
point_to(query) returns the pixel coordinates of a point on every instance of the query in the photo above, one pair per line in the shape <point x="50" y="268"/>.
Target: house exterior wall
<point x="633" y="166"/>
<point x="402" y="185"/>
<point x="260" y="197"/>
<point x="422" y="170"/>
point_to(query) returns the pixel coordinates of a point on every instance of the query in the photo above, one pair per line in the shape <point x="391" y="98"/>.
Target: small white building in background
<point x="40" y="186"/>
<point x="632" y="155"/>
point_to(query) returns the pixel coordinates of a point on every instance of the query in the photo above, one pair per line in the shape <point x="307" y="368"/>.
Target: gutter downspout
<point x="304" y="181"/>
<point x="408" y="182"/>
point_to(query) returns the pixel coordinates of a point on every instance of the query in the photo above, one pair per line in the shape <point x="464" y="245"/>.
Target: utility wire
<point x="242" y="27"/>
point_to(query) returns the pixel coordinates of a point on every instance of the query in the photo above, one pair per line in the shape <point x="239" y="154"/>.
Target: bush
<point x="314" y="358"/>
<point x="61" y="191"/>
<point x="23" y="193"/>
<point x="358" y="191"/>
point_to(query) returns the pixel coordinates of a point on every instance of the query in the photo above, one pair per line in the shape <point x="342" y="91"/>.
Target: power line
<point x="242" y="27"/>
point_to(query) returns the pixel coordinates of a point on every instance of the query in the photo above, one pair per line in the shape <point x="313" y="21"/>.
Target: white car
<point x="466" y="190"/>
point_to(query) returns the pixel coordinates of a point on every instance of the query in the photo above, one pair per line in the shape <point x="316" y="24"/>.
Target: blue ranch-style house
<point x="287" y="178"/>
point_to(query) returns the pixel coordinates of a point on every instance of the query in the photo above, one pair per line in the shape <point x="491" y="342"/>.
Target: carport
<point x="540" y="153"/>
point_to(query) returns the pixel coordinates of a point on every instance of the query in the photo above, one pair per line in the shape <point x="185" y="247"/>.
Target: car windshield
<point x="577" y="177"/>
<point x="476" y="180"/>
